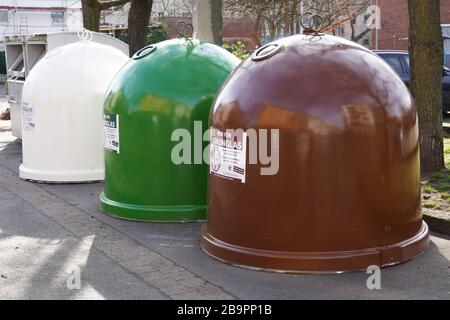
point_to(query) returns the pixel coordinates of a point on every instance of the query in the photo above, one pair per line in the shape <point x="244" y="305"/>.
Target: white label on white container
<point x="28" y="122"/>
<point x="228" y="154"/>
<point x="111" y="128"/>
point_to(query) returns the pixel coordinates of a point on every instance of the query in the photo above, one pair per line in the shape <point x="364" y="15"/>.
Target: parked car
<point x="399" y="61"/>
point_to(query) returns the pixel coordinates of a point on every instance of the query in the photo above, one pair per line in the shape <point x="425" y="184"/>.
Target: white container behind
<point x="62" y="113"/>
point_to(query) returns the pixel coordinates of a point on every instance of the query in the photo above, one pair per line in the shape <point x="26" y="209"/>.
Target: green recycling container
<point x="164" y="88"/>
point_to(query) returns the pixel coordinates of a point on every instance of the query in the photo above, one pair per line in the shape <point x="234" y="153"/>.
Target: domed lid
<point x="184" y="70"/>
<point x="75" y="68"/>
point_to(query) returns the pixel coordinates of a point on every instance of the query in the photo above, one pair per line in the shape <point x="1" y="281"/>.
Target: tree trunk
<point x="257" y="31"/>
<point x="91" y="14"/>
<point x="426" y="52"/>
<point x="217" y="21"/>
<point x="293" y="14"/>
<point x="138" y="21"/>
<point x="208" y="21"/>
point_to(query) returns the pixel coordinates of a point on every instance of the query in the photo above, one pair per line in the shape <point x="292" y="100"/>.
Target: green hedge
<point x="157" y="34"/>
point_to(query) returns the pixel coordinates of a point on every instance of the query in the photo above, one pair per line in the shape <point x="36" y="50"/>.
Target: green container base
<point x="160" y="214"/>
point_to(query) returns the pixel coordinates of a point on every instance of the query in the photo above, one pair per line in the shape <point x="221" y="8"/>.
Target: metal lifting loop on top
<point x="184" y="29"/>
<point x="85" y="35"/>
<point x="311" y="23"/>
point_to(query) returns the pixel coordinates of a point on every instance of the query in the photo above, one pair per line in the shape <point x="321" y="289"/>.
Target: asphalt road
<point x="50" y="232"/>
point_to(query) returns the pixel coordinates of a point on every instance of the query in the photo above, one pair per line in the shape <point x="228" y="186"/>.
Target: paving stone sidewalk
<point x="165" y="277"/>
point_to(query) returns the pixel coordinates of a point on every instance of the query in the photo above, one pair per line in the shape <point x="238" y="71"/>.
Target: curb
<point x="447" y="129"/>
<point x="438" y="221"/>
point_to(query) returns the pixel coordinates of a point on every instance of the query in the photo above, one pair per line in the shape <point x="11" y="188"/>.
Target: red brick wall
<point x="394" y="23"/>
<point x="241" y="29"/>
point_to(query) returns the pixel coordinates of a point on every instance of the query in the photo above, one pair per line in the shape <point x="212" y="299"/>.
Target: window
<point x="57" y="17"/>
<point x="394" y="62"/>
<point x="4" y="16"/>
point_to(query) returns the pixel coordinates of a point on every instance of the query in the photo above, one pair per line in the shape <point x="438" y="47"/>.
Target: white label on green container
<point x="111" y="128"/>
<point x="28" y="117"/>
<point x="228" y="154"/>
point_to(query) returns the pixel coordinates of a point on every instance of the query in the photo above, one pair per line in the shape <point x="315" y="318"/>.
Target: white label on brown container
<point x="228" y="154"/>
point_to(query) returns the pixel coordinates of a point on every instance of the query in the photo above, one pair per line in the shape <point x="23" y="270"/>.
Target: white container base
<point x="80" y="176"/>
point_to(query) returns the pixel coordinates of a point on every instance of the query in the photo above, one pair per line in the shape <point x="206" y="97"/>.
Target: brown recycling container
<point x="346" y="195"/>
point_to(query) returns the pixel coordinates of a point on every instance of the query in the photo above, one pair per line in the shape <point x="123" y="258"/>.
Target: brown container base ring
<point x="315" y="262"/>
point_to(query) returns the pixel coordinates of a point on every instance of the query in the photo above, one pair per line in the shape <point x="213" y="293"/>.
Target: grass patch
<point x="445" y="196"/>
<point x="428" y="189"/>
<point x="441" y="175"/>
<point x="436" y="187"/>
<point x="429" y="204"/>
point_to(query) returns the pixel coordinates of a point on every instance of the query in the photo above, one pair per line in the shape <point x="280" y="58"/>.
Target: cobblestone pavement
<point x="48" y="232"/>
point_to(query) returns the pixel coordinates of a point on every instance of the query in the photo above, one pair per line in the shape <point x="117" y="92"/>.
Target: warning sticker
<point x="111" y="128"/>
<point x="28" y="117"/>
<point x="228" y="154"/>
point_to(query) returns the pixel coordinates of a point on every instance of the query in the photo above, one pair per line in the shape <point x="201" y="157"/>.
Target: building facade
<point x="39" y="16"/>
<point x="394" y="31"/>
<point x="354" y="25"/>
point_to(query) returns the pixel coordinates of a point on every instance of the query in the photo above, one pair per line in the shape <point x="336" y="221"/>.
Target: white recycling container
<point x="62" y="113"/>
<point x="23" y="52"/>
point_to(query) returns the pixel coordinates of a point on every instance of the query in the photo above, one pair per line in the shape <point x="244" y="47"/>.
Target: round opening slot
<point x="144" y="52"/>
<point x="266" y="51"/>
